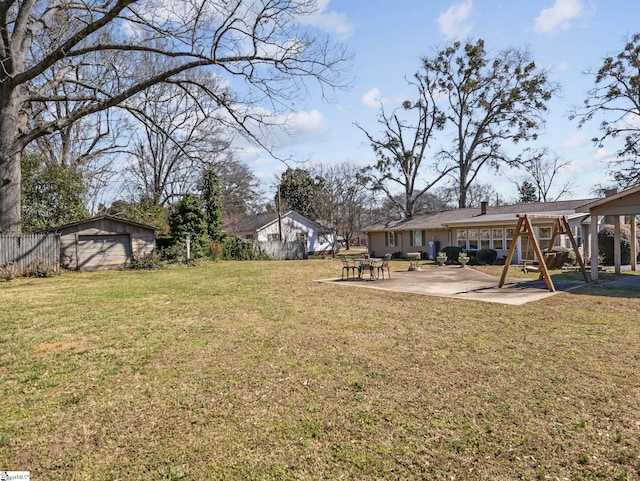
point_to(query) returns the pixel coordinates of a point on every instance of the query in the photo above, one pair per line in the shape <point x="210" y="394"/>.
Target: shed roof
<point x="102" y="217"/>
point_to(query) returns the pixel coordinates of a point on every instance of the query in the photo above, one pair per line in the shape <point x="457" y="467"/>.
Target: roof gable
<point x="99" y="218"/>
<point x="629" y="197"/>
<point x="257" y="222"/>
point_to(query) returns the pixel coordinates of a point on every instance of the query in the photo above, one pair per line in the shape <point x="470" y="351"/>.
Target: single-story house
<point x="103" y="242"/>
<point x="486" y="227"/>
<point x="287" y="227"/>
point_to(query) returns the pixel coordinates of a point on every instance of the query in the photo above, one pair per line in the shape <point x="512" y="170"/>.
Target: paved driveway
<point x="463" y="283"/>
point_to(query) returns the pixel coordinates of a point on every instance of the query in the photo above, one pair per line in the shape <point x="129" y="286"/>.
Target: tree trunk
<point x="10" y="173"/>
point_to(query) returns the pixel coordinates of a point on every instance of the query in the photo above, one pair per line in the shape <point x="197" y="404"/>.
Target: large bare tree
<point x="86" y="148"/>
<point x="404" y="154"/>
<point x="178" y="135"/>
<point x="342" y="199"/>
<point x="615" y="99"/>
<point x="93" y="48"/>
<point x="542" y="168"/>
<point x="488" y="100"/>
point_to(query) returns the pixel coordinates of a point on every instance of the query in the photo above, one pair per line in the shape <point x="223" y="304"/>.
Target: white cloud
<point x="576" y="141"/>
<point x="453" y="23"/>
<point x="604" y="155"/>
<point x="631" y="121"/>
<point x="558" y="17"/>
<point x="308" y="125"/>
<point x="372" y="98"/>
<point x="333" y="22"/>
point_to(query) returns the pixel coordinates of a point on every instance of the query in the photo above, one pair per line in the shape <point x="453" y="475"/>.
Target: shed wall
<point x="140" y="241"/>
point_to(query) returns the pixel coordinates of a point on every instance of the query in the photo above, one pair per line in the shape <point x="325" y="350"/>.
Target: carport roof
<point x="629" y="199"/>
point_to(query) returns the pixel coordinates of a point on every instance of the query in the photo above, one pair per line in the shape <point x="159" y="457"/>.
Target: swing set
<point x="545" y="260"/>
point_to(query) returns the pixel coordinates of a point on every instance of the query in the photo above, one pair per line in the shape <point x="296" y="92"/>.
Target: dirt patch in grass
<point x="252" y="370"/>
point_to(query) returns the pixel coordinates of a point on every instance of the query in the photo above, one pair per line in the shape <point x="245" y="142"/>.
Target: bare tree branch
<point x="93" y="48"/>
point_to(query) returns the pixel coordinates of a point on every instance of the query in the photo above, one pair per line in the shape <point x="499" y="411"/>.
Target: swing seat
<point x="553" y="260"/>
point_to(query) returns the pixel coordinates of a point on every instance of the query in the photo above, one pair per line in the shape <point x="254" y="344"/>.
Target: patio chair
<point x="349" y="266"/>
<point x="385" y="266"/>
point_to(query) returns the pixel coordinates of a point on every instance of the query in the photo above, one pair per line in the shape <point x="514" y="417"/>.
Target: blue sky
<point x="387" y="40"/>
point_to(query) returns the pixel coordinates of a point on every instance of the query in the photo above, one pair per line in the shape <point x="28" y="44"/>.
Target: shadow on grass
<point x="609" y="285"/>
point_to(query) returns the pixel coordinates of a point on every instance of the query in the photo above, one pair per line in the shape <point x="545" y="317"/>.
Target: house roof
<point x="102" y="217"/>
<point x="501" y="214"/>
<point x="252" y="223"/>
<point x="256" y="222"/>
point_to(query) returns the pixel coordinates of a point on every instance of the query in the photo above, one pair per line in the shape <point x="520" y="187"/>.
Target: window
<point x="576" y="231"/>
<point x="485" y="239"/>
<point x="544" y="233"/>
<point x="301" y="237"/>
<point x="473" y="239"/>
<point x="273" y="237"/>
<point x="390" y="238"/>
<point x="498" y="239"/>
<point x="544" y="236"/>
<point x="416" y="237"/>
<point x="462" y="239"/>
<point x="249" y="236"/>
<point x="509" y="233"/>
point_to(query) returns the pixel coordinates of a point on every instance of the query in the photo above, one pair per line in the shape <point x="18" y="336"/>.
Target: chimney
<point x="610" y="192"/>
<point x="483" y="207"/>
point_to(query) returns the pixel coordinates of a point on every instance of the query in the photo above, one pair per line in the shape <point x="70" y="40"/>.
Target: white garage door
<point x="103" y="251"/>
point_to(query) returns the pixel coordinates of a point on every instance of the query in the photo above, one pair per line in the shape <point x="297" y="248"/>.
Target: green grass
<point x="252" y="370"/>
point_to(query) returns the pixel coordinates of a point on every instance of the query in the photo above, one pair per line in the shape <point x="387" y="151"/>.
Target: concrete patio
<point x="462" y="283"/>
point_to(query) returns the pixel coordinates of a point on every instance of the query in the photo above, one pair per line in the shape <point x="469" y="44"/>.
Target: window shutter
<point x="424" y="238"/>
<point x="411" y="238"/>
<point x="386" y="238"/>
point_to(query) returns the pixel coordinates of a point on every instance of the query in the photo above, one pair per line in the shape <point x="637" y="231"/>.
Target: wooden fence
<point x="29" y="254"/>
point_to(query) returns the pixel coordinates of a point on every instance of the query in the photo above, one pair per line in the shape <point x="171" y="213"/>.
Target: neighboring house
<point x="486" y="227"/>
<point x="103" y="242"/>
<point x="289" y="227"/>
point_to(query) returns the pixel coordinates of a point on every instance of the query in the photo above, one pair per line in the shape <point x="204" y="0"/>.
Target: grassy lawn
<point x="251" y="370"/>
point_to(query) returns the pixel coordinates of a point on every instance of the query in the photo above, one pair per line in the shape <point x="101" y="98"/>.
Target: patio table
<point x="371" y="264"/>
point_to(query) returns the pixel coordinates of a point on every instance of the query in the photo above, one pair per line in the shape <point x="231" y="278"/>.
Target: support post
<point x="617" y="252"/>
<point x="593" y="242"/>
<point x="634" y="243"/>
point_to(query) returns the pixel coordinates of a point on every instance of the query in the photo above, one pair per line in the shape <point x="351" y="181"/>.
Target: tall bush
<point x="237" y="248"/>
<point x="212" y="201"/>
<point x="605" y="244"/>
<point x="188" y="219"/>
